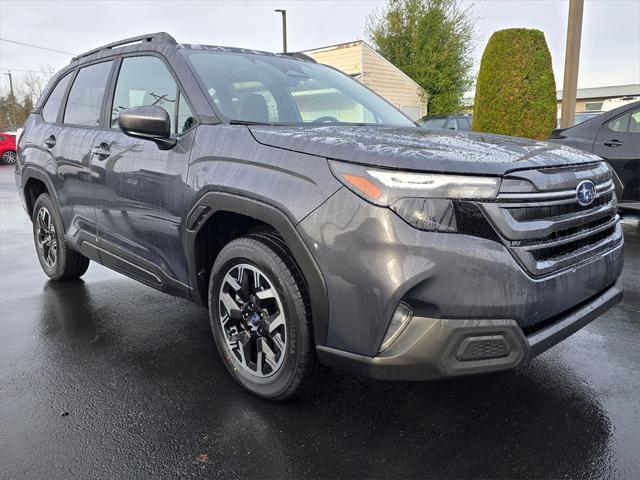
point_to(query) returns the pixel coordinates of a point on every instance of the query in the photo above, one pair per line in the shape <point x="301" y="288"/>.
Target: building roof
<point x="611" y="91"/>
<point x="365" y="45"/>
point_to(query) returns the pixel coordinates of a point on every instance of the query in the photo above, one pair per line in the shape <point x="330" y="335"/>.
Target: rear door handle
<point x="613" y="143"/>
<point x="50" y="141"/>
<point x="102" y="151"/>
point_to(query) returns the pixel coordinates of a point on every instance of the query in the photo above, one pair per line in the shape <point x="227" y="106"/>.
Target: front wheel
<point x="9" y="157"/>
<point x="57" y="260"/>
<point x="260" y="317"/>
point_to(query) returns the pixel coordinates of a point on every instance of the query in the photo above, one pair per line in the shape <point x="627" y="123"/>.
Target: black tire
<point x="68" y="264"/>
<point x="268" y="253"/>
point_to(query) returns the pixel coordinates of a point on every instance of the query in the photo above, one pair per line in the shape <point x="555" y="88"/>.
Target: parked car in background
<point x="451" y="122"/>
<point x="315" y="220"/>
<point x="615" y="136"/>
<point x="612" y="103"/>
<point x="8" y="147"/>
<point x="583" y="117"/>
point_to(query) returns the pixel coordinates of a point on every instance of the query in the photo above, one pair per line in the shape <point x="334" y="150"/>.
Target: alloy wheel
<point x="253" y="320"/>
<point x="46" y="237"/>
<point x="9" y="157"/>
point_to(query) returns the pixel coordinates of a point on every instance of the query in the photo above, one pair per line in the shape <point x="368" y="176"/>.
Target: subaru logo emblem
<point x="586" y="192"/>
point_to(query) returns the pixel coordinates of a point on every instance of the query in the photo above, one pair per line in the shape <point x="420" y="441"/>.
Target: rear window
<point x="84" y="104"/>
<point x="52" y="105"/>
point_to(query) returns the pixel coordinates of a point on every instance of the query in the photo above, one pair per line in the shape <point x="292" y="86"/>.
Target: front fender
<point x="212" y="202"/>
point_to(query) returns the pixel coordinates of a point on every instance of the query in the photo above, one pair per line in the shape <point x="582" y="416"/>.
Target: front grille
<point x="569" y="232"/>
<point x="551" y="211"/>
<point x="571" y="247"/>
<point x="546" y="229"/>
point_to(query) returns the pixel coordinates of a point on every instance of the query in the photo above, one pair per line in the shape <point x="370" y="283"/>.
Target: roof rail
<point x="162" y="37"/>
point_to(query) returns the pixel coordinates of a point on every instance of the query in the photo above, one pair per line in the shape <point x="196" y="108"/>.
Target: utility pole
<point x="13" y="99"/>
<point x="571" y="61"/>
<point x="284" y="29"/>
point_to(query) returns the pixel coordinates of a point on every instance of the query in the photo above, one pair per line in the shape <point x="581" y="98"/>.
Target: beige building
<point x="360" y="61"/>
<point x="602" y="98"/>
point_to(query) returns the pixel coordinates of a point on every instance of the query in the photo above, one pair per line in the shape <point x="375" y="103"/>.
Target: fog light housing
<point x="398" y="323"/>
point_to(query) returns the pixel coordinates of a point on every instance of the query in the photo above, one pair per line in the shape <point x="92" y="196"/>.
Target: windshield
<point x="269" y="89"/>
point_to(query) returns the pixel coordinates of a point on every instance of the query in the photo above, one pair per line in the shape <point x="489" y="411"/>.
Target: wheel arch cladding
<point x="34" y="184"/>
<point x="225" y="206"/>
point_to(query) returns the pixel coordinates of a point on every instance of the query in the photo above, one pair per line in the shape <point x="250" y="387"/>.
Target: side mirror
<point x="149" y="122"/>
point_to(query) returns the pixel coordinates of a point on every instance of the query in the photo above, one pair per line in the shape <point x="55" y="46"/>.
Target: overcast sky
<point x="610" y="39"/>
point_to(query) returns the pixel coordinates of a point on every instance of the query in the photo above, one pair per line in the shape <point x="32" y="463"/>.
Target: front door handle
<point x="50" y="141"/>
<point x="613" y="143"/>
<point x="102" y="151"/>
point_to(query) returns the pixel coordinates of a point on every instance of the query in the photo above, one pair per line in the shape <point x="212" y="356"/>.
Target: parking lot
<point x="107" y="378"/>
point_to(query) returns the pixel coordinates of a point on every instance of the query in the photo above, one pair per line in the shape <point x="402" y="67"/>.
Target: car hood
<point x="409" y="148"/>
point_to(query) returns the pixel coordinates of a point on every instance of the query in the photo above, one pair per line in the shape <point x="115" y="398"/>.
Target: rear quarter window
<point x="52" y="105"/>
<point x="628" y="122"/>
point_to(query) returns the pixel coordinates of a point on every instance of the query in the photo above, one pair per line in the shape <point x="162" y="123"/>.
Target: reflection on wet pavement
<point x="146" y="395"/>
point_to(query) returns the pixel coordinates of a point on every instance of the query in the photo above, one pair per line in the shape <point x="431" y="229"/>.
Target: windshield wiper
<point x="249" y="122"/>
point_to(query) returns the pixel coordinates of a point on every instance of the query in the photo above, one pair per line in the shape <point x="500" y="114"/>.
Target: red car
<point x="8" y="147"/>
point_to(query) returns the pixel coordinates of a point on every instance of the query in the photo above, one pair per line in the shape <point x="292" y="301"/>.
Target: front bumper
<point x="431" y="348"/>
<point x="371" y="260"/>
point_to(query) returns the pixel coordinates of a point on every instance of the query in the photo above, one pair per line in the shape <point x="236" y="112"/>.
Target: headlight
<point x="423" y="200"/>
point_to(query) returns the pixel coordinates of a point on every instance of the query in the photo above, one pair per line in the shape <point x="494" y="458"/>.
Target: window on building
<point x="591" y="106"/>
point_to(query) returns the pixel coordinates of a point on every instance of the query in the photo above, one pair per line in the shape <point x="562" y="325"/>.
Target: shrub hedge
<point x="516" y="90"/>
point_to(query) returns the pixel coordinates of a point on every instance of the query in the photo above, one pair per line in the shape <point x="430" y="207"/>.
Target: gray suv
<point x="315" y="220"/>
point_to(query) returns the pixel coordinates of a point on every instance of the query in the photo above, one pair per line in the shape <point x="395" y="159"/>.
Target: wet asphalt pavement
<point x="107" y="378"/>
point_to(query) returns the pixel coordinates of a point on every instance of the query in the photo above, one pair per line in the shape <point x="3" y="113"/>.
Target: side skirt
<point x="128" y="264"/>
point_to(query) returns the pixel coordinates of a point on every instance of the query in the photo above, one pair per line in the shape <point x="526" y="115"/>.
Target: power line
<point x="36" y="46"/>
<point x="26" y="71"/>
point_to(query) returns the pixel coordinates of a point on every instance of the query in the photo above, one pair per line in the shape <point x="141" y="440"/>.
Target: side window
<point x="84" y="103"/>
<point x="620" y="123"/>
<point x="52" y="105"/>
<point x="185" y="117"/>
<point x="634" y="121"/>
<point x="144" y="81"/>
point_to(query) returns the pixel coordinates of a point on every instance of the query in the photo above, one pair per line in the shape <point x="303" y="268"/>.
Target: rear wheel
<point x="9" y="157"/>
<point x="260" y="317"/>
<point x="56" y="259"/>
